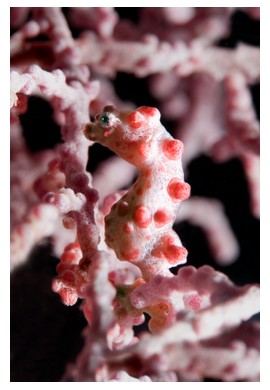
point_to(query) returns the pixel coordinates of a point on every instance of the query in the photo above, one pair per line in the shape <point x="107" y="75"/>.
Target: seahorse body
<point x="139" y="226"/>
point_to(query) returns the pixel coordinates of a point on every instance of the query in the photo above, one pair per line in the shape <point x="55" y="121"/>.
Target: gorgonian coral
<point x="147" y="316"/>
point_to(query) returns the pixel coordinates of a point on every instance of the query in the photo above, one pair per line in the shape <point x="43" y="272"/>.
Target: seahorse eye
<point x="104" y="119"/>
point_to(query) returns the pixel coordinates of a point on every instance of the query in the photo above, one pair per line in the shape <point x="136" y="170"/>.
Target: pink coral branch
<point x="37" y="225"/>
<point x="209" y="215"/>
<point x="152" y="56"/>
<point x="212" y="288"/>
<point x="100" y="19"/>
<point x="243" y="128"/>
<point x="204" y="116"/>
<point x="193" y="342"/>
<point x="231" y="363"/>
<point x="251" y="165"/>
<point x="31" y="221"/>
<point x="112" y="175"/>
<point x="149" y="56"/>
<point x="72" y="102"/>
<point x="52" y="22"/>
<point x="98" y="294"/>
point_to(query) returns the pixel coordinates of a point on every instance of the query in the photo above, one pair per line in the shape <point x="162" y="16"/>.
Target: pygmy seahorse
<point x="139" y="226"/>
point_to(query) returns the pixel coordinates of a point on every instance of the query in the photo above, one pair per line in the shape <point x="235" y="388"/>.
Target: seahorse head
<point x="123" y="131"/>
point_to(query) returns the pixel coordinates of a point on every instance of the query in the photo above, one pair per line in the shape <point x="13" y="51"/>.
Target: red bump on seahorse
<point x="149" y="208"/>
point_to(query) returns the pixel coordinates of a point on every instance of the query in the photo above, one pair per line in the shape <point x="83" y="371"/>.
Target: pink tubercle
<point x="162" y="217"/>
<point x="131" y="254"/>
<point x="142" y="216"/>
<point x="135" y="119"/>
<point x="172" y="149"/>
<point x="144" y="149"/>
<point x="175" y="254"/>
<point x="178" y="190"/>
<point x="149" y="111"/>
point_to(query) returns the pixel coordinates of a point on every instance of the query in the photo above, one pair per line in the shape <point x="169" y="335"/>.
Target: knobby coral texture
<point x="134" y="194"/>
